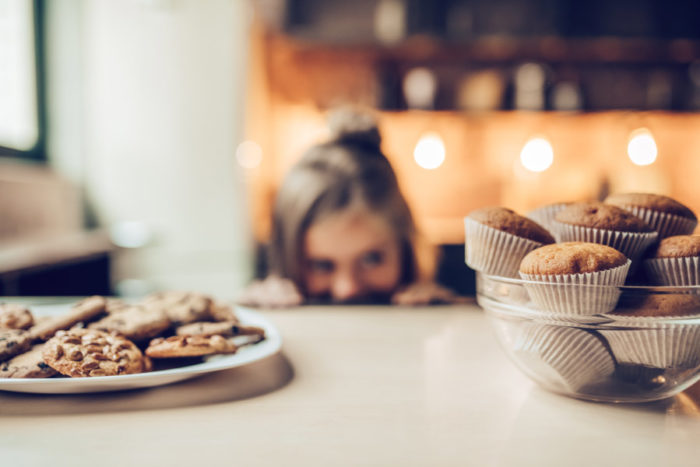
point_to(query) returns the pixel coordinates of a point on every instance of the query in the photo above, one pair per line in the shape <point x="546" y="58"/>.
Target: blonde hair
<point x="348" y="169"/>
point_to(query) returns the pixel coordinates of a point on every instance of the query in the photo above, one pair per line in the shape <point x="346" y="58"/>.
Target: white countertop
<point x="377" y="386"/>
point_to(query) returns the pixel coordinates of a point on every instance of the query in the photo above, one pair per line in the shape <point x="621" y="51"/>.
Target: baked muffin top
<point x="651" y="201"/>
<point x="678" y="246"/>
<point x="511" y="222"/>
<point x="601" y="216"/>
<point x="571" y="258"/>
<point x="662" y="305"/>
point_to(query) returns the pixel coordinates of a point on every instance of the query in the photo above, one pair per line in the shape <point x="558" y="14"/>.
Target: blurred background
<point x="142" y="141"/>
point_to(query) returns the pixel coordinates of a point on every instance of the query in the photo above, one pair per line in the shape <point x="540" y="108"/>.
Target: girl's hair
<point x="348" y="169"/>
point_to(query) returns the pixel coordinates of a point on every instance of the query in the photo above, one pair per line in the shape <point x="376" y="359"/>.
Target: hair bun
<point x="352" y="126"/>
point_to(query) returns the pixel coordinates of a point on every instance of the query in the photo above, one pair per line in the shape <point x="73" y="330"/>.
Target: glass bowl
<point x="592" y="351"/>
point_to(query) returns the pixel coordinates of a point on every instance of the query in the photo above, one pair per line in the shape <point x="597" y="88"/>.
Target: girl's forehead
<point x="357" y="215"/>
<point x="347" y="234"/>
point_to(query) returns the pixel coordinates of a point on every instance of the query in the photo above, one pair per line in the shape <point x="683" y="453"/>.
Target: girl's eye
<point x="321" y="266"/>
<point x="372" y="258"/>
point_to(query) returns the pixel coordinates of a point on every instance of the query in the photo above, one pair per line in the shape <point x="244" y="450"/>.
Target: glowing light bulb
<point x="641" y="147"/>
<point x="249" y="154"/>
<point x="419" y="88"/>
<point x="537" y="155"/>
<point x="430" y="151"/>
<point x="130" y="234"/>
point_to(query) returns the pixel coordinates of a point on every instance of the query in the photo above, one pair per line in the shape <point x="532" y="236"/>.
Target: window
<point x="20" y="73"/>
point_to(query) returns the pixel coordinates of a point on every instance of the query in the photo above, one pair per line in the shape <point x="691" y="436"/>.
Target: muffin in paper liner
<point x="683" y="271"/>
<point x="493" y="251"/>
<point x="567" y="357"/>
<point x="665" y="224"/>
<point x="545" y="215"/>
<point x="665" y="346"/>
<point x="577" y="294"/>
<point x="631" y="244"/>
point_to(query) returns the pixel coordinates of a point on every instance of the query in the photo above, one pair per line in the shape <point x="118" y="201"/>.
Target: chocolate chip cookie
<point x="13" y="342"/>
<point x="181" y="307"/>
<point x="223" y="312"/>
<point x="91" y="352"/>
<point x="84" y="310"/>
<point x="226" y="329"/>
<point x="134" y="322"/>
<point x="27" y="365"/>
<point x="14" y="316"/>
<point x="189" y="346"/>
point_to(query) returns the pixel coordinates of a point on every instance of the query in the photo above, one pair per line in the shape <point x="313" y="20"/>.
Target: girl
<point x="342" y="231"/>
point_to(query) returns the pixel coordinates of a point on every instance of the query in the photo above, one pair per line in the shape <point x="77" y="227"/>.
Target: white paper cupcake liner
<point x="494" y="252"/>
<point x="631" y="244"/>
<point x="582" y="294"/>
<point x="673" y="271"/>
<point x="665" y="224"/>
<point x="564" y="356"/>
<point x="665" y="346"/>
<point x="545" y="214"/>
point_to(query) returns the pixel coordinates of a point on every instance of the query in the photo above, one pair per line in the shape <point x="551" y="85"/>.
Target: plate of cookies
<point x="101" y="344"/>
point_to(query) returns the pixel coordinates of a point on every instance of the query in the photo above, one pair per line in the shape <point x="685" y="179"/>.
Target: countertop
<point x="380" y="386"/>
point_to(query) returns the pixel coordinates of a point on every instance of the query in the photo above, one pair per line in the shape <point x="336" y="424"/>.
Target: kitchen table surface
<point x="380" y="386"/>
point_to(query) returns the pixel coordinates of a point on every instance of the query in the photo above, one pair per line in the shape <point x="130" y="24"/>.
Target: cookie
<point x="13" y="342"/>
<point x="223" y="312"/>
<point x="91" y="352"/>
<point x="115" y="305"/>
<point x="189" y="346"/>
<point x="181" y="307"/>
<point x="27" y="365"/>
<point x="84" y="310"/>
<point x="147" y="364"/>
<point x="135" y="322"/>
<point x="13" y="316"/>
<point x="223" y="328"/>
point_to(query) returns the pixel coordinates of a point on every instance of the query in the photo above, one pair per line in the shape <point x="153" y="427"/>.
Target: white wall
<point x="146" y="109"/>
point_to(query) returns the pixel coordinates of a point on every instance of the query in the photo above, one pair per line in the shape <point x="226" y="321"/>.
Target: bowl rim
<point x="656" y="288"/>
<point x="607" y="319"/>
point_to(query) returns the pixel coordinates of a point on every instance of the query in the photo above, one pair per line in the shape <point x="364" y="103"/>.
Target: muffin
<point x="568" y="358"/>
<point x="604" y="224"/>
<point x="544" y="215"/>
<point x="675" y="261"/>
<point x="659" y="306"/>
<point x="496" y="239"/>
<point x="574" y="278"/>
<point x="665" y="215"/>
<point x="639" y="339"/>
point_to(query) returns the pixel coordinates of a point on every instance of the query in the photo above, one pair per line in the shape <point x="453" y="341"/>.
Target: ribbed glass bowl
<point x="588" y="352"/>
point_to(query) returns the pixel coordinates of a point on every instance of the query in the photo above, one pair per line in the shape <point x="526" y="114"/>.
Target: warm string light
<point x="430" y="151"/>
<point x="641" y="147"/>
<point x="249" y="154"/>
<point x="537" y="155"/>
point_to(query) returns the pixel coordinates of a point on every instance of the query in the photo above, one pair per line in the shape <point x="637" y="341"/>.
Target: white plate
<point x="245" y="355"/>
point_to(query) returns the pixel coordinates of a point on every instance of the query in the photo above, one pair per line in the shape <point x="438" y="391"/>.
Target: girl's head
<point x="341" y="228"/>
